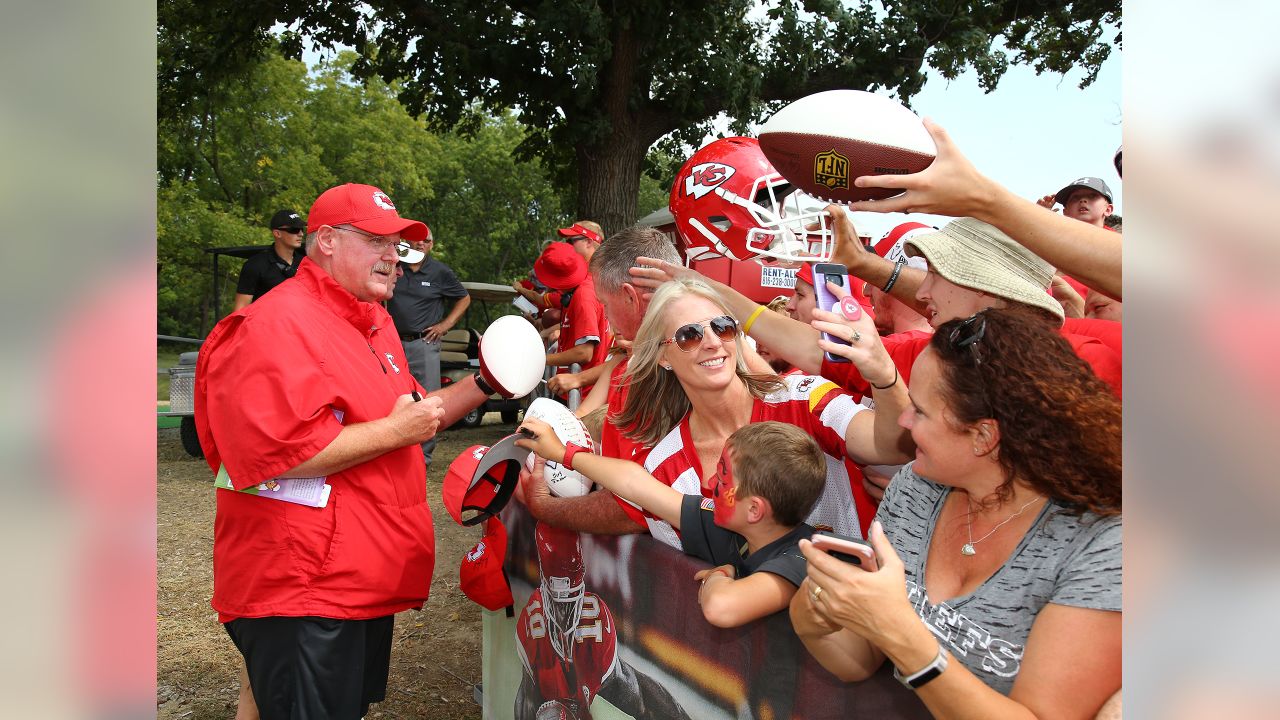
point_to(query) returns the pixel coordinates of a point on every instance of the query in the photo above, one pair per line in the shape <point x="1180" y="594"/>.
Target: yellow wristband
<point x="746" y="326"/>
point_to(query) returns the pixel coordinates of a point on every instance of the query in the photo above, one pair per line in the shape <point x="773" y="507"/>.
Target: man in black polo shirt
<point x="417" y="307"/>
<point x="274" y="265"/>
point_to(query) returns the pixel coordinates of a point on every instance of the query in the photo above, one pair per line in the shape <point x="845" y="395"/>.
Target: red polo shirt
<point x="272" y="382"/>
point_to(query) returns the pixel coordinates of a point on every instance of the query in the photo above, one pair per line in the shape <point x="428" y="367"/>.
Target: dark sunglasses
<point x="689" y="337"/>
<point x="969" y="333"/>
<point x="291" y="231"/>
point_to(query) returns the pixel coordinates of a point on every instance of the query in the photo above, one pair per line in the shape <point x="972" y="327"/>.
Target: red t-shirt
<point x="592" y="660"/>
<point x="1110" y="332"/>
<point x="904" y="348"/>
<point x="612" y="442"/>
<point x="809" y="402"/>
<point x="275" y="384"/>
<point x="584" y="321"/>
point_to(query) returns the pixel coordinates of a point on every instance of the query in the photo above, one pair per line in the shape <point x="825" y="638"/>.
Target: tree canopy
<point x="598" y="84"/>
<point x="278" y="136"/>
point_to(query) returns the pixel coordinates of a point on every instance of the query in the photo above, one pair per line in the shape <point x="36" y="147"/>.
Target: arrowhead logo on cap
<point x="381" y="200"/>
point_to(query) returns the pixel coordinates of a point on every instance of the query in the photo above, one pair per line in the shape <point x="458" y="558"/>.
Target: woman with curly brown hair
<point x="998" y="591"/>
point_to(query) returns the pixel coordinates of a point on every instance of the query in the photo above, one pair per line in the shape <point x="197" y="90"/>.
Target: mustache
<point x="390" y="269"/>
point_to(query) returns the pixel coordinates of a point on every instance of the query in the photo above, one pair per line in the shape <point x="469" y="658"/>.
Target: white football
<point x="562" y="481"/>
<point x="824" y="142"/>
<point x="513" y="355"/>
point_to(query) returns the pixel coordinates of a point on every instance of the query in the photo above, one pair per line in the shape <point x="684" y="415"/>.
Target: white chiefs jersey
<point x="812" y="403"/>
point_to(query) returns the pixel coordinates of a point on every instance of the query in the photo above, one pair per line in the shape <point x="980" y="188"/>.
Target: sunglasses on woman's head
<point x="969" y="333"/>
<point x="689" y="337"/>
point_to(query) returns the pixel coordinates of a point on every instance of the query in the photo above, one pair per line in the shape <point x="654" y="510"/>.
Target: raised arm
<point x="870" y="267"/>
<point x="623" y="478"/>
<point x="873" y="437"/>
<point x="953" y="186"/>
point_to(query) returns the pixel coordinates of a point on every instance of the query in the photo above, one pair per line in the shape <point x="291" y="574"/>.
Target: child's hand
<point x="541" y="439"/>
<point x="708" y="577"/>
<point x="726" y="570"/>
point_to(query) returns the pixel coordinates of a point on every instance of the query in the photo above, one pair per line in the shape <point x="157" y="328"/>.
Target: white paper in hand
<point x="561" y="481"/>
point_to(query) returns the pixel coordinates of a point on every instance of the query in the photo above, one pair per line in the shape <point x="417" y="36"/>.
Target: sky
<point x="1033" y="134"/>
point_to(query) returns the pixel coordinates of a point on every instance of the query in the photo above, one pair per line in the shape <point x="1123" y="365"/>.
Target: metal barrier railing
<point x="575" y="395"/>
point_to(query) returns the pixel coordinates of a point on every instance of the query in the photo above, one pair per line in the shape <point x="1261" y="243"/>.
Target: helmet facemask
<point x="562" y="604"/>
<point x="783" y="231"/>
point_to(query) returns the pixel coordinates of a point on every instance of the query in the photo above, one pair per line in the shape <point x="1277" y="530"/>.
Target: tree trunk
<point x="609" y="182"/>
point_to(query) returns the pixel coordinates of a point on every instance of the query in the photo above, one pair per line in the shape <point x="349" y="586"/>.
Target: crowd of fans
<point x="962" y="411"/>
<point x="957" y="411"/>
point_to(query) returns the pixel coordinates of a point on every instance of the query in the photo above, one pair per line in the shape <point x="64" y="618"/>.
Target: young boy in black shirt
<point x="766" y="482"/>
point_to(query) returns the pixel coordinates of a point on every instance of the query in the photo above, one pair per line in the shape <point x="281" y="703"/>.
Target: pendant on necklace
<point x="967" y="549"/>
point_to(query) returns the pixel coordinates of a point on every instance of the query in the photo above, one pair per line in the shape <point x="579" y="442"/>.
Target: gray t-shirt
<point x="1063" y="559"/>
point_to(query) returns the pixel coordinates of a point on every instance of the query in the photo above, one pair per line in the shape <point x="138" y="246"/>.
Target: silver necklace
<point x="967" y="548"/>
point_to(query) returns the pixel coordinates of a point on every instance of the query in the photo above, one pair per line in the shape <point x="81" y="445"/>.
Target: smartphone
<point x="847" y="549"/>
<point x="838" y="274"/>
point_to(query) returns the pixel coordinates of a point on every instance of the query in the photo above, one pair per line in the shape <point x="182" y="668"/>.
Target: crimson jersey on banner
<point x="594" y="655"/>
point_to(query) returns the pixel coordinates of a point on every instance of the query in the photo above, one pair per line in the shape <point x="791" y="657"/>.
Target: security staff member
<point x="277" y="263"/>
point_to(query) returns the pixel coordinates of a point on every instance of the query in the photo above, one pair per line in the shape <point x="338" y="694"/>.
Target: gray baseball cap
<point x="1091" y="183"/>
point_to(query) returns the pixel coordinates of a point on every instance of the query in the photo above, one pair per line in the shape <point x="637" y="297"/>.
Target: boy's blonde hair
<point x="780" y="463"/>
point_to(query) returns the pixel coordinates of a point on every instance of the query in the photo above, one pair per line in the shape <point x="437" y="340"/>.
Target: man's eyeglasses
<point x="380" y="243"/>
<point x="689" y="337"/>
<point x="969" y="333"/>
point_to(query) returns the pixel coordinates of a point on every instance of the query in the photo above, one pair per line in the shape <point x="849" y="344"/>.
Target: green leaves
<point x="280" y="136"/>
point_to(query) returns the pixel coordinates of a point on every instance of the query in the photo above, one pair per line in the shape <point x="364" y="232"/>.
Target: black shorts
<point x="313" y="667"/>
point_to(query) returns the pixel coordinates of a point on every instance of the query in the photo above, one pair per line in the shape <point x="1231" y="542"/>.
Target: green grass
<point x="165" y="359"/>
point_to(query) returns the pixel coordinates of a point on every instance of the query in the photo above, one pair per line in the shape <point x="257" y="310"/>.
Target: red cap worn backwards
<point x="889" y="246"/>
<point x="579" y="230"/>
<point x="481" y="479"/>
<point x="481" y="573"/>
<point x="365" y="207"/>
<point x="560" y="267"/>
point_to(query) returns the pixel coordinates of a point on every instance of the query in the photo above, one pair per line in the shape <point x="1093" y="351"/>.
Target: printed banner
<point x="610" y="627"/>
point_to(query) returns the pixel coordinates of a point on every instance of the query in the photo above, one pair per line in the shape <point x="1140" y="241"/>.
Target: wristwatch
<point x="918" y="679"/>
<point x="569" y="451"/>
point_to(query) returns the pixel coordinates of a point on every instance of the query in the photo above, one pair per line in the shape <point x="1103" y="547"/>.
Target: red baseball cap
<point x="365" y="207"/>
<point x="559" y="267"/>
<point x="481" y="480"/>
<point x="483" y="578"/>
<point x="579" y="230"/>
<point x="889" y="246"/>
<point x="805" y="272"/>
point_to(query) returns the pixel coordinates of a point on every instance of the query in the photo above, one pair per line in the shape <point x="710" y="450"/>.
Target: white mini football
<point x="560" y="480"/>
<point x="824" y="142"/>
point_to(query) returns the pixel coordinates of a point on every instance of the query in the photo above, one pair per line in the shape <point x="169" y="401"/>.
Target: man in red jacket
<point x="311" y="382"/>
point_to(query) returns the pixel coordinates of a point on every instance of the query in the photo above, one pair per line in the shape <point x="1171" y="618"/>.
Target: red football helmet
<point x="563" y="588"/>
<point x="729" y="201"/>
